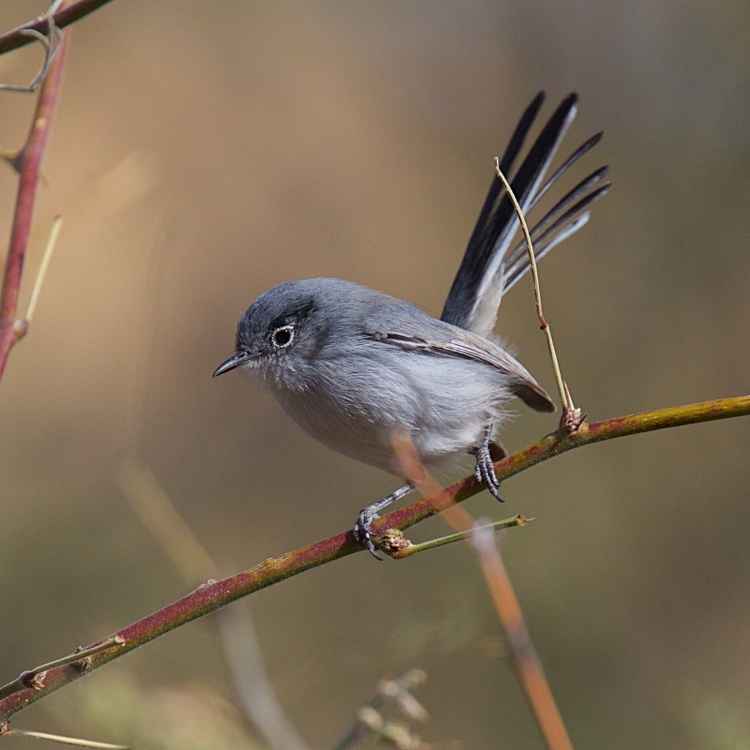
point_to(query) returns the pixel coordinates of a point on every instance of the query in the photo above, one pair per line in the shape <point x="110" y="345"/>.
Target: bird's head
<point x="280" y="331"/>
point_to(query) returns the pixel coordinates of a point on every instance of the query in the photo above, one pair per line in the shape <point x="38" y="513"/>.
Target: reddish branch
<point x="215" y="594"/>
<point x="28" y="162"/>
<point x="16" y="38"/>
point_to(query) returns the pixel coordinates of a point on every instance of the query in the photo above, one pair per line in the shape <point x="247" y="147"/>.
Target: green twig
<point x="398" y="546"/>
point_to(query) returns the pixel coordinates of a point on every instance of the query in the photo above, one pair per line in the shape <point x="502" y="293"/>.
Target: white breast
<point x="355" y="406"/>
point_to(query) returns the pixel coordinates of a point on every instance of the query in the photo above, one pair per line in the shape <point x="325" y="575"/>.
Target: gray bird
<point x="353" y="366"/>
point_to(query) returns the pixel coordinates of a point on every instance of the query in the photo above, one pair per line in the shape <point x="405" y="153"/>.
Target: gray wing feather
<point x="477" y="349"/>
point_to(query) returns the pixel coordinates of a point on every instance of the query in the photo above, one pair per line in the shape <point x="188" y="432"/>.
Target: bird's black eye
<point x="282" y="337"/>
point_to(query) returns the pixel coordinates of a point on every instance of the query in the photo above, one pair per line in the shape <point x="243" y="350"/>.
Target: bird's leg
<point x="486" y="454"/>
<point x="362" y="529"/>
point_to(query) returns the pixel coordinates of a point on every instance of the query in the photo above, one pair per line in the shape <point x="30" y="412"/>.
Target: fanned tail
<point x="490" y="267"/>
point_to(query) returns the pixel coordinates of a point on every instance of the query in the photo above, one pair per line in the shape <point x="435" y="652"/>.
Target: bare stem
<point x="62" y="739"/>
<point x="43" y="266"/>
<point x="565" y="398"/>
<point x="50" y="42"/>
<point x="398" y="691"/>
<point x="412" y="548"/>
<point x="29" y="163"/>
<point x="19" y="37"/>
<point x="214" y="595"/>
<point x="35" y="678"/>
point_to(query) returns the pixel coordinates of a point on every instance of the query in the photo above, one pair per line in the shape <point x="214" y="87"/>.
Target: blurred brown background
<point x="206" y="151"/>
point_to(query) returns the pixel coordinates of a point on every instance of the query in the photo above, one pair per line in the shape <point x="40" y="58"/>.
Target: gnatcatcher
<point x="353" y="366"/>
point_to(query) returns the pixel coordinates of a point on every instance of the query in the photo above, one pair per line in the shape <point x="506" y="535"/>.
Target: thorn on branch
<point x="14" y="159"/>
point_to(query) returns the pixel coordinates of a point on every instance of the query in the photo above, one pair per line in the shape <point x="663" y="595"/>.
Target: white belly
<point x="438" y="408"/>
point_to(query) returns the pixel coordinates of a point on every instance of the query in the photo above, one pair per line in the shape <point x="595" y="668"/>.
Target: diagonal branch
<point x="213" y="595"/>
<point x="19" y="36"/>
<point x="29" y="162"/>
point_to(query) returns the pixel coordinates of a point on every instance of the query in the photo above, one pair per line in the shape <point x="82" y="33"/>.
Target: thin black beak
<point x="230" y="363"/>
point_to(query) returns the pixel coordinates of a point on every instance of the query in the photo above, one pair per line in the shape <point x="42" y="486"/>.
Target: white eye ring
<point x="282" y="337"/>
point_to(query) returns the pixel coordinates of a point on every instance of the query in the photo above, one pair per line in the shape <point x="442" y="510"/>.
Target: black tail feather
<point x="581" y="151"/>
<point x="487" y="269"/>
<point x="586" y="184"/>
<point x="563" y="227"/>
<point x="497" y="221"/>
<point x="506" y="164"/>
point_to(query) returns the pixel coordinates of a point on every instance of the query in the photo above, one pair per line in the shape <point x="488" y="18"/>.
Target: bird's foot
<point x="484" y="471"/>
<point x="363" y="530"/>
<point x="363" y="527"/>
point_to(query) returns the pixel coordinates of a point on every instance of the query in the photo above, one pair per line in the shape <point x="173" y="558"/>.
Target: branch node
<point x="20" y="328"/>
<point x="33" y="679"/>
<point x="394" y="543"/>
<point x="83" y="665"/>
<point x="51" y="44"/>
<point x="571" y="420"/>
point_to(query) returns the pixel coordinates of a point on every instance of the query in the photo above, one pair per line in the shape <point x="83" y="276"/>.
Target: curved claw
<point x="484" y="471"/>
<point x="363" y="528"/>
<point x="362" y="531"/>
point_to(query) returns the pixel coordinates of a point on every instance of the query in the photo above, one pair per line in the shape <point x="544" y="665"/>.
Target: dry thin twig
<point x="252" y="684"/>
<point x="50" y="42"/>
<point x="390" y="733"/>
<point x="156" y="511"/>
<point x="214" y="595"/>
<point x="370" y="718"/>
<point x="397" y="546"/>
<point x="62" y="739"/>
<point x="565" y="397"/>
<point x="43" y="266"/>
<point x="19" y="37"/>
<point x="35" y="678"/>
<point x="28" y="163"/>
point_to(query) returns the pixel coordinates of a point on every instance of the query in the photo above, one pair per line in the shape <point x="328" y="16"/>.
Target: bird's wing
<point x="477" y="349"/>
